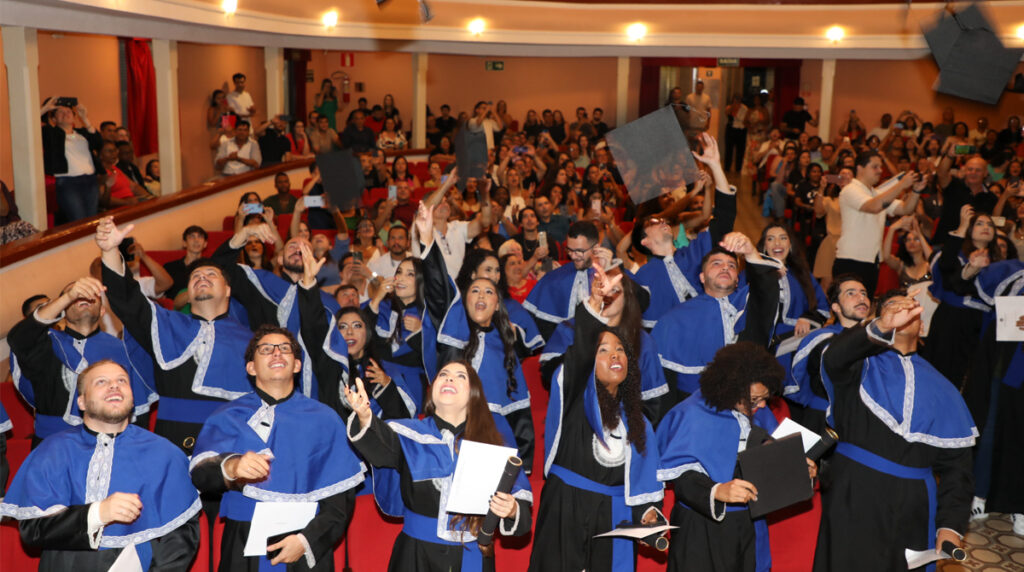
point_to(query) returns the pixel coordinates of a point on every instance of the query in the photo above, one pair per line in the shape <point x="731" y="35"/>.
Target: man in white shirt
<point x="240" y="154"/>
<point x="700" y="104"/>
<point x="977" y="136"/>
<point x="453" y="236"/>
<point x="863" y="209"/>
<point x="735" y="133"/>
<point x="240" y="100"/>
<point x="883" y="130"/>
<point x="398" y="249"/>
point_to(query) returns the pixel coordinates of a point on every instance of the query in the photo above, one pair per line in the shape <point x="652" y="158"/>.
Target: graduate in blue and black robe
<point x="482" y="263"/>
<point x="276" y="445"/>
<point x="802" y="303"/>
<point x="414" y="462"/>
<point x="45" y="361"/>
<point x="901" y="473"/>
<point x="88" y="492"/>
<point x="699" y="441"/>
<point x="5" y="467"/>
<point x="601" y="455"/>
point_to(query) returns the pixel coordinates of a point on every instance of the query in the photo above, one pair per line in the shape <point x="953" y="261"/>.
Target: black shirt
<point x="795" y="122"/>
<point x="273" y="146"/>
<point x="954" y="197"/>
<point x="359" y="140"/>
<point x="446" y="126"/>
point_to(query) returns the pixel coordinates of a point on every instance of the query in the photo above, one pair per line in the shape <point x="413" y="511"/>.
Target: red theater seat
<point x="19" y="411"/>
<point x="215" y="238"/>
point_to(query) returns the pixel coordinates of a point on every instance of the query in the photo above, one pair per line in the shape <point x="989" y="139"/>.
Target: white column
<point x="622" y="92"/>
<point x="273" y="61"/>
<point x="828" y="84"/>
<point x="419" y="100"/>
<point x="165" y="64"/>
<point x="21" y="56"/>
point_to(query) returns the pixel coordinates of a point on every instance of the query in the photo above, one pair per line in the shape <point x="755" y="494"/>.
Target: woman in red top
<point x="116" y="189"/>
<point x="519" y="283"/>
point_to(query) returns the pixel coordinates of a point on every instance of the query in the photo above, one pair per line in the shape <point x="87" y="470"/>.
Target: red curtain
<point x="141" y="90"/>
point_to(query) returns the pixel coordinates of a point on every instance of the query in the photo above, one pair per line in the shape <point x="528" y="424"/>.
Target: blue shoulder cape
<point x="388" y="320"/>
<point x="282" y="293"/>
<point x="652" y="376"/>
<point x="312" y="459"/>
<point x="430" y="455"/>
<point x="641" y="483"/>
<point x="797" y="385"/>
<point x="673" y="281"/>
<point x="551" y="298"/>
<point x="794" y="303"/>
<point x="524" y="323"/>
<point x="1004" y="278"/>
<point x="489" y="361"/>
<point x="75" y="355"/>
<point x="5" y="420"/>
<point x="689" y="336"/>
<point x="948" y="296"/>
<point x="913" y="400"/>
<point x="75" y="467"/>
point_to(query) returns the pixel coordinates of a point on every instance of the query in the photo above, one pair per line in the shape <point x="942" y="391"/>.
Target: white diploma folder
<point x="273" y="518"/>
<point x="789" y="427"/>
<point x="1008" y="310"/>
<point x="127" y="561"/>
<point x="476" y="477"/>
<point x="636" y="532"/>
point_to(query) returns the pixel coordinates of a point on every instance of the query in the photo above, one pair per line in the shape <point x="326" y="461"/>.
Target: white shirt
<point x="384" y="265"/>
<point x="701" y="102"/>
<point x="740" y="117"/>
<point x="250" y="150"/>
<point x="452" y="244"/>
<point x="488" y="126"/>
<point x="880" y="132"/>
<point x="240" y="103"/>
<point x="861" y="238"/>
<point x="76" y="150"/>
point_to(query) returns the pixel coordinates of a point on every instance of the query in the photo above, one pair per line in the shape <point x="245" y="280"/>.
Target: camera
<point x="71" y="102"/>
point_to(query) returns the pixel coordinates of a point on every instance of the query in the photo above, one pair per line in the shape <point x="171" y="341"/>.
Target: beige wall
<point x="203" y="68"/>
<point x="82" y="66"/>
<point x="381" y="73"/>
<point x="876" y="87"/>
<point x="6" y="159"/>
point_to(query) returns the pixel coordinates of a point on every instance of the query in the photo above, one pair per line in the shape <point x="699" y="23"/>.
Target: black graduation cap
<point x="973" y="63"/>
<point x="648" y="151"/>
<point x="342" y="177"/>
<point x="470" y="154"/>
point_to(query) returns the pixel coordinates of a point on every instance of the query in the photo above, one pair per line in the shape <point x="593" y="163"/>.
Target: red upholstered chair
<point x="20" y="412"/>
<point x="284" y="223"/>
<point x="14" y="553"/>
<point x="330" y="234"/>
<point x="215" y="238"/>
<point x="228" y="223"/>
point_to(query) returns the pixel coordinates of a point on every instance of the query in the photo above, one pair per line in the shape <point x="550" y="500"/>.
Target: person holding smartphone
<point x="484" y="119"/>
<point x="68" y="155"/>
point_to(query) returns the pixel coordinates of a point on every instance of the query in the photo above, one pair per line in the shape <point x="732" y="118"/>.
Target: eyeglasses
<point x="579" y="251"/>
<point x="755" y="401"/>
<point x="268" y="349"/>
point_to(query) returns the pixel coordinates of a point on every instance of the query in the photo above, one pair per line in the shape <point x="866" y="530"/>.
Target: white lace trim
<point x="542" y="314"/>
<point x="452" y="341"/>
<point x="580" y="290"/>
<point x="515" y="524"/>
<point x="408" y="433"/>
<point x="197" y="459"/>
<point x="6" y="426"/>
<point x="654" y="392"/>
<point x="548" y="356"/>
<point x="504" y="410"/>
<point x="785" y="295"/>
<point x="481" y="346"/>
<point x="679" y="368"/>
<point x="265" y="413"/>
<point x="642" y="498"/>
<point x="800" y="356"/>
<point x="312" y="496"/>
<point x="29" y="512"/>
<point x="533" y="344"/>
<point x="666" y="475"/>
<point x="730" y="315"/>
<point x="680" y="285"/>
<point x="612" y="453"/>
<point x="152" y="533"/>
<point x="97" y="480"/>
<point x="558" y="431"/>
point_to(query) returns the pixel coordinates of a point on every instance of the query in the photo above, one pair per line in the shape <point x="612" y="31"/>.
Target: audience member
<point x="239" y="100"/>
<point x="239" y="154"/>
<point x="69" y="156"/>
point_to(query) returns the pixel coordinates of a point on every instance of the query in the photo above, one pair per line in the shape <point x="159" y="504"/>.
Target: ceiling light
<point x="835" y="33"/>
<point x="476" y="27"/>
<point x="636" y="31"/>
<point x="330" y="19"/>
<point x="229" y="6"/>
<point x="1020" y="32"/>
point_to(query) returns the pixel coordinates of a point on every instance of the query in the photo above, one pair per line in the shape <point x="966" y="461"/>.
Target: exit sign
<point x="494" y="65"/>
<point x="728" y="62"/>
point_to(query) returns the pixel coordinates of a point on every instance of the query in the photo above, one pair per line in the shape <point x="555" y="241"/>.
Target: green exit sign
<point x="494" y="65"/>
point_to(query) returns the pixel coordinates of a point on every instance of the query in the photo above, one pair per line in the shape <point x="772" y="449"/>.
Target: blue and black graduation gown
<point x="555" y="296"/>
<point x="413" y="464"/>
<point x="5" y="468"/>
<point x="699" y="446"/>
<point x="902" y="468"/>
<point x="52" y="492"/>
<point x="522" y="321"/>
<point x="995" y="397"/>
<point x="802" y="386"/>
<point x="270" y="299"/>
<point x="596" y="479"/>
<point x="654" y="388"/>
<point x="958" y="322"/>
<point x="312" y="462"/>
<point x="336" y="368"/>
<point x="45" y="364"/>
<point x="676" y="279"/>
<point x="198" y="363"/>
<point x="689" y="336"/>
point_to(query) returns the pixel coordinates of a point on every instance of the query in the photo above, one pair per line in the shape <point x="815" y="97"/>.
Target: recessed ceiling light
<point x="835" y="33"/>
<point x="476" y="26"/>
<point x="1020" y="32"/>
<point x="636" y="31"/>
<point x="330" y="19"/>
<point x="229" y="6"/>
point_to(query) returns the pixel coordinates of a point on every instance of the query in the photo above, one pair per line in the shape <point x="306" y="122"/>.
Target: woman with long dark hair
<point x="911" y="259"/>
<point x="601" y="457"/>
<point x="476" y="327"/>
<point x="414" y="462"/>
<point x="400" y="172"/>
<point x="326" y="102"/>
<point x="483" y="263"/>
<point x="803" y="302"/>
<point x="957" y="323"/>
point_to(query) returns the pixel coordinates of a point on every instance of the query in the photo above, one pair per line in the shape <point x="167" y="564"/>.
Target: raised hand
<point x="87" y="288"/>
<point x="412" y="324"/>
<point x="710" y="156"/>
<point x="108" y="236"/>
<point x="375" y="374"/>
<point x="898" y="312"/>
<point x="424" y="223"/>
<point x="120" y="507"/>
<point x="738" y="243"/>
<point x="310" y="265"/>
<point x="601" y="287"/>
<point x="359" y="402"/>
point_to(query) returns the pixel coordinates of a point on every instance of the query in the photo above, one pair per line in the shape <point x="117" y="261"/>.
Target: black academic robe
<point x="869" y="517"/>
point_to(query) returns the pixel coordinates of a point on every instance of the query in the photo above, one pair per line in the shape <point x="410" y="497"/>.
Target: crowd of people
<point x="306" y="350"/>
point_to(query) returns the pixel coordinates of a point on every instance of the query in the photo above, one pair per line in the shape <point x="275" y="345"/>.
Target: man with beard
<point x="46" y="361"/>
<point x="851" y="305"/>
<point x="275" y="444"/>
<point x="88" y="493"/>
<point x="689" y="335"/>
<point x="901" y="473"/>
<point x="268" y="298"/>
<point x="196" y="356"/>
<point x="555" y="297"/>
<point x="398" y="249"/>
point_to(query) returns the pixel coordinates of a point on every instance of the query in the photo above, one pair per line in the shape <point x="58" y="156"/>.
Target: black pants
<point x="868" y="272"/>
<point x="735" y="143"/>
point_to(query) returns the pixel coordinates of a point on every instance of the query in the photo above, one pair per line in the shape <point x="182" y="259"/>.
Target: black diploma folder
<point x="778" y="470"/>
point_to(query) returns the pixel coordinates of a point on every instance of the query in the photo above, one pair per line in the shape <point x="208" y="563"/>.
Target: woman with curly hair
<point x="699" y="442"/>
<point x="601" y="456"/>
